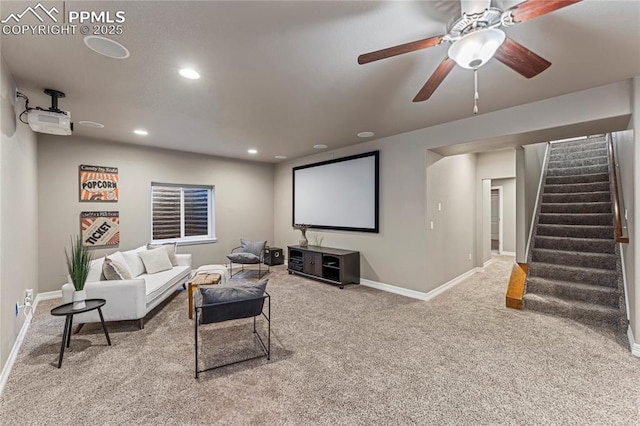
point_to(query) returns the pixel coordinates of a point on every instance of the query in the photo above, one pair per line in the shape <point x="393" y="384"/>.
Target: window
<point x="182" y="213"/>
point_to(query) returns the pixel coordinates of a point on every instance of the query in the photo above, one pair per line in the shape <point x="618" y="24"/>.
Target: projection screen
<point x="339" y="194"/>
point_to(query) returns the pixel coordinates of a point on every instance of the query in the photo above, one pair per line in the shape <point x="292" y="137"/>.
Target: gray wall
<point x="533" y="162"/>
<point x="626" y="148"/>
<point x="450" y="183"/>
<point x="243" y="197"/>
<point x="18" y="214"/>
<point x="397" y="254"/>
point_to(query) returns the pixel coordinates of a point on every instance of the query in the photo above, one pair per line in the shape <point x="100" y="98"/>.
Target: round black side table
<point x="68" y="311"/>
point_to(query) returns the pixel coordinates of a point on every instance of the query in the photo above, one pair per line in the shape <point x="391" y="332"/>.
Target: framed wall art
<point x="98" y="183"/>
<point x="100" y="229"/>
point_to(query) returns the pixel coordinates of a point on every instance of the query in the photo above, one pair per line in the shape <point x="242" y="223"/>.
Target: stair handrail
<point x="620" y="229"/>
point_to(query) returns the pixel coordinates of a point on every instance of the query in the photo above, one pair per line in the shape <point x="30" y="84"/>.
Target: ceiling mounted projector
<point x="53" y="121"/>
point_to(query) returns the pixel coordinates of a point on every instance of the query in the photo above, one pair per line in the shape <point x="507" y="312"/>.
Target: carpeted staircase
<point x="574" y="265"/>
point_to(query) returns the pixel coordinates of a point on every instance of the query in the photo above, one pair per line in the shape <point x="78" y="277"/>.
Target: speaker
<point x="273" y="256"/>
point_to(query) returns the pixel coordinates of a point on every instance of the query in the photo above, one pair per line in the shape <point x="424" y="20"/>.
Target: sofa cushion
<point x="232" y="293"/>
<point x="156" y="284"/>
<point x="134" y="262"/>
<point x="171" y="251"/>
<point x="254" y="247"/>
<point x="243" y="257"/>
<point x="156" y="260"/>
<point x="114" y="270"/>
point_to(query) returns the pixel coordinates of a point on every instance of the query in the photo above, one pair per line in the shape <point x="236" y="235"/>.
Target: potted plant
<point x="78" y="264"/>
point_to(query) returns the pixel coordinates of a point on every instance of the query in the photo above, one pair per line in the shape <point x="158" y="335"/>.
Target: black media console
<point x="334" y="266"/>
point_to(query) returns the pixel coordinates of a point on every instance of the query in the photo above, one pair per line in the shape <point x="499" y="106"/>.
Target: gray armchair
<point x="225" y="303"/>
<point x="249" y="253"/>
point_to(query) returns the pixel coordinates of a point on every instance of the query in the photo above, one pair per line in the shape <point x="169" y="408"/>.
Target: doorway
<point x="496" y="219"/>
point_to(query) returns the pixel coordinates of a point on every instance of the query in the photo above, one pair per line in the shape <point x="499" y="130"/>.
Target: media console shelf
<point x="331" y="265"/>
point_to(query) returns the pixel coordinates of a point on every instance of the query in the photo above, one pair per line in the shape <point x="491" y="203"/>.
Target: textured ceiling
<point x="282" y="76"/>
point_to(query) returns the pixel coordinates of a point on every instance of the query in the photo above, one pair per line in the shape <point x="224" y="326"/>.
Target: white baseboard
<point x="508" y="253"/>
<point x="23" y="331"/>
<point x="488" y="262"/>
<point x="419" y="294"/>
<point x="14" y="353"/>
<point x="635" y="347"/>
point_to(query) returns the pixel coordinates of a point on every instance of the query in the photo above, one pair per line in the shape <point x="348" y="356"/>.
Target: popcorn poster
<point x="98" y="183"/>
<point x="100" y="229"/>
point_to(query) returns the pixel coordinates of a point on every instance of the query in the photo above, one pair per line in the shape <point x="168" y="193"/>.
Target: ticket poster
<point x="100" y="229"/>
<point x="98" y="183"/>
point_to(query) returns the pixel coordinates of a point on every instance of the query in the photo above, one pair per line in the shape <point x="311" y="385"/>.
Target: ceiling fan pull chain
<point x="475" y="96"/>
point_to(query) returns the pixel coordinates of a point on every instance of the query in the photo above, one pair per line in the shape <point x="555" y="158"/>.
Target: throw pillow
<point x="241" y="257"/>
<point x="171" y="250"/>
<point x="251" y="294"/>
<point x="134" y="262"/>
<point x="118" y="257"/>
<point x="114" y="270"/>
<point x="255" y="247"/>
<point x="156" y="260"/>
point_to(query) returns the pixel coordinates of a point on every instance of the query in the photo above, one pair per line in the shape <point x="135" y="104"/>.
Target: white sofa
<point x="129" y="299"/>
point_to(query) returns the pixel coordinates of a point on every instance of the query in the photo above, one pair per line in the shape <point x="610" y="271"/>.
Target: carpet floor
<point x="352" y="356"/>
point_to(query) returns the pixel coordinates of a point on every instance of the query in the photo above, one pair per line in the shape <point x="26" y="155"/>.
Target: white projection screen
<point x="339" y="194"/>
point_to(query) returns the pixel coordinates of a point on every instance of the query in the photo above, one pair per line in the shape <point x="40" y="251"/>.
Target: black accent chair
<point x="249" y="253"/>
<point x="233" y="310"/>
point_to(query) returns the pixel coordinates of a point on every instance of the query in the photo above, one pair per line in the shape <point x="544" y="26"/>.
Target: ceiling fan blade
<point x="531" y="9"/>
<point x="434" y="81"/>
<point x="399" y="50"/>
<point x="520" y="59"/>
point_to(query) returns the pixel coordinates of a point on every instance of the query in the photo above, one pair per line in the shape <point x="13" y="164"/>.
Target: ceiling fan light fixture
<point x="475" y="49"/>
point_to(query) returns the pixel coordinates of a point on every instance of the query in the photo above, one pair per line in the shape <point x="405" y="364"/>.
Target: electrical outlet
<point x="439" y="207"/>
<point x="28" y="298"/>
<point x="469" y="256"/>
<point x="431" y="225"/>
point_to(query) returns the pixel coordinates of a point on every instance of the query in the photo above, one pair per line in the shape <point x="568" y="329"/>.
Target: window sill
<point x="187" y="242"/>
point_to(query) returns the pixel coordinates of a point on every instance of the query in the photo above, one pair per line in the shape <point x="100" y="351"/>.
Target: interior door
<point x="495" y="215"/>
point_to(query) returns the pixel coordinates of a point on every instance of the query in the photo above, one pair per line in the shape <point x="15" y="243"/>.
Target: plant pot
<point x="79" y="296"/>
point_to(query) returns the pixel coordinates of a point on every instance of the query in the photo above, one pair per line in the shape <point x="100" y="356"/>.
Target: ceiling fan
<point x="475" y="38"/>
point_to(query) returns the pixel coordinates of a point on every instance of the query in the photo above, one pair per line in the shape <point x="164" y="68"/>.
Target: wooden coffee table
<point x="201" y="278"/>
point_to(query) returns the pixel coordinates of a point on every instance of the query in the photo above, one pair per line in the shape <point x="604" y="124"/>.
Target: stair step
<point x="581" y="311"/>
<point x="575" y="231"/>
<point x="604" y="219"/>
<point x="577" y="155"/>
<point x="577" y="197"/>
<point x="575" y="208"/>
<point x="573" y="258"/>
<point x="562" y="163"/>
<point x="560" y="180"/>
<point x="601" y="277"/>
<point x="584" y="170"/>
<point x="580" y="145"/>
<point x="585" y="245"/>
<point x="600" y="295"/>
<point x="572" y="188"/>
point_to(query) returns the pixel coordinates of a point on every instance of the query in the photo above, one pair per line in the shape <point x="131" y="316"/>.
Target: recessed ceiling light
<point x="106" y="46"/>
<point x="320" y="146"/>
<point x="141" y="132"/>
<point x="365" y="134"/>
<point x="189" y="73"/>
<point x="281" y="157"/>
<point x="252" y="151"/>
<point x="92" y="124"/>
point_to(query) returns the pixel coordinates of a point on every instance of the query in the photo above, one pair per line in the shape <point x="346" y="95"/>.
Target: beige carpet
<point x="352" y="356"/>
